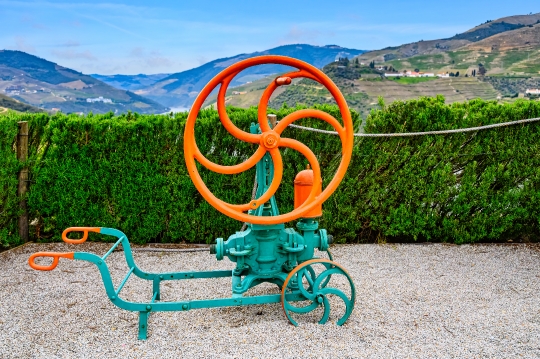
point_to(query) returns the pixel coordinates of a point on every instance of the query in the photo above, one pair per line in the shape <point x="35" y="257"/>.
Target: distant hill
<point x="8" y="103"/>
<point x="47" y="85"/>
<point x="433" y="47"/>
<point x="496" y="60"/>
<point x="130" y="82"/>
<point x="180" y="89"/>
<point x="510" y="53"/>
<point x="361" y="86"/>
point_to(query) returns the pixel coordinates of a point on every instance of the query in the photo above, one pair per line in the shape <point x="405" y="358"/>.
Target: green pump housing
<point x="267" y="253"/>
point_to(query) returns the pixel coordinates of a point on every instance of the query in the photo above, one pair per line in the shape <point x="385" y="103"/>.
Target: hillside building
<point x="393" y="74"/>
<point x="99" y="99"/>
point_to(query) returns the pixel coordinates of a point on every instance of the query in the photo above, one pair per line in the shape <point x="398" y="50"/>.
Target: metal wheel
<point x="312" y="280"/>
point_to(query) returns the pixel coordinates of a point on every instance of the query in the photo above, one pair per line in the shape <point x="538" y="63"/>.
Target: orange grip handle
<point x="85" y="231"/>
<point x="55" y="255"/>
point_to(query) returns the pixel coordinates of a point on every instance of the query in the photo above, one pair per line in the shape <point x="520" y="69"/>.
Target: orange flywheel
<point x="269" y="140"/>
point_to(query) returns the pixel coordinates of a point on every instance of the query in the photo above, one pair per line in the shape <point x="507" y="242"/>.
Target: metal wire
<point x="410" y="134"/>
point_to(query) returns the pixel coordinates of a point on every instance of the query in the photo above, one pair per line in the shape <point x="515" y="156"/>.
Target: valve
<point x="217" y="249"/>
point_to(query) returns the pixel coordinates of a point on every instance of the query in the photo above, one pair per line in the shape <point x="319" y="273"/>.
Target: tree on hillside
<point x="372" y="64"/>
<point x="481" y="70"/>
<point x="457" y="73"/>
<point x="416" y="70"/>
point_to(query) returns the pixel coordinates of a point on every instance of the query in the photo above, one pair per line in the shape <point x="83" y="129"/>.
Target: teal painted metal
<point x="262" y="253"/>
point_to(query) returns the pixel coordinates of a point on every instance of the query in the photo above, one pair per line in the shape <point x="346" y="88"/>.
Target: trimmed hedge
<point x="128" y="172"/>
<point x="9" y="167"/>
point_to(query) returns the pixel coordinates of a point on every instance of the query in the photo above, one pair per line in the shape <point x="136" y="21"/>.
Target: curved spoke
<point x="272" y="86"/>
<point x="224" y="118"/>
<point x="308" y="294"/>
<point x="311" y="276"/>
<point x="326" y="314"/>
<point x="337" y="292"/>
<point x="349" y="305"/>
<point x="325" y="274"/>
<point x="302" y="310"/>
<point x="229" y="170"/>
<point x="297" y="115"/>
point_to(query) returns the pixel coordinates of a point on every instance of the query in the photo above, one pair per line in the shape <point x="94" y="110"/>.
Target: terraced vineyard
<point x="361" y="93"/>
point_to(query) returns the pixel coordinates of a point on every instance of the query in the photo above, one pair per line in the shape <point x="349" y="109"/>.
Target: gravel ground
<point x="418" y="301"/>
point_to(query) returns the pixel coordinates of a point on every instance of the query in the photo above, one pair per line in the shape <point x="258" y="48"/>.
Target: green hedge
<point x="9" y="167"/>
<point x="463" y="188"/>
<point x="128" y="172"/>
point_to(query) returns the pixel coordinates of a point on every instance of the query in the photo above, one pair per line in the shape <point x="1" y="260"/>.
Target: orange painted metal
<point x="303" y="184"/>
<point x="269" y="141"/>
<point x="85" y="231"/>
<point x="55" y="256"/>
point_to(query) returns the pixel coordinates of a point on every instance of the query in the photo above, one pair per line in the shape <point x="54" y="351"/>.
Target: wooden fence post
<point x="22" y="155"/>
<point x="273" y="119"/>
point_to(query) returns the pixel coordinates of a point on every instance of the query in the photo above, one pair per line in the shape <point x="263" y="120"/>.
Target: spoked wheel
<point x="323" y="283"/>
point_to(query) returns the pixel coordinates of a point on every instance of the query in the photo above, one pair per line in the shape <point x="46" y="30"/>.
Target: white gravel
<point x="417" y="301"/>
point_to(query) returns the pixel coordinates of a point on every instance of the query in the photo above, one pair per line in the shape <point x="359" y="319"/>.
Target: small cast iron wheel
<point x="310" y="280"/>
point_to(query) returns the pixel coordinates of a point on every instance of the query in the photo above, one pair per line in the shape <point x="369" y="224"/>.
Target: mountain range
<point x="130" y="82"/>
<point x="180" y="89"/>
<point x="49" y="86"/>
<point x="496" y="59"/>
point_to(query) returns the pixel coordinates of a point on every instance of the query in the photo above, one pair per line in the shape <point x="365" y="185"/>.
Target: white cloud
<point x="150" y="59"/>
<point x="71" y="54"/>
<point x="306" y="34"/>
<point x="71" y="43"/>
<point x="137" y="52"/>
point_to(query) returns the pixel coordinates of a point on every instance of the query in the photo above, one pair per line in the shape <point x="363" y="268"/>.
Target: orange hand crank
<point x="269" y="141"/>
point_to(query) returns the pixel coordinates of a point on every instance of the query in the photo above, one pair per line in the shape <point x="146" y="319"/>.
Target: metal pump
<point x="265" y="251"/>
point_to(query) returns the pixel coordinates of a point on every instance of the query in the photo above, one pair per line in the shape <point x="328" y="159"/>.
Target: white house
<point x="99" y="99"/>
<point x="535" y="92"/>
<point x="396" y="74"/>
<point x="412" y="74"/>
<point x="443" y="75"/>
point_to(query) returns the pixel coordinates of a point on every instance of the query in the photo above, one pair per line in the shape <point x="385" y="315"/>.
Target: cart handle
<point x="55" y="255"/>
<point x="85" y="231"/>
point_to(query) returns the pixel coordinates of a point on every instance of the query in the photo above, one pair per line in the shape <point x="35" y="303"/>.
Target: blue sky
<point x="136" y="36"/>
